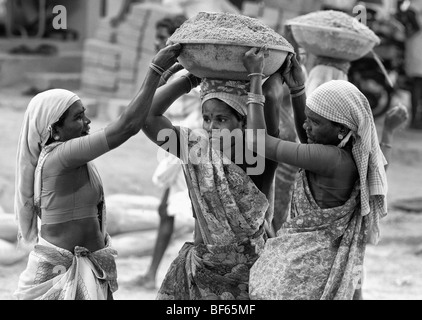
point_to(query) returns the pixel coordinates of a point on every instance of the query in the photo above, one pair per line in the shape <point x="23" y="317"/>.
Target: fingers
<point x="176" y="67"/>
<point x="287" y="66"/>
<point x="295" y="62"/>
<point x="262" y="51"/>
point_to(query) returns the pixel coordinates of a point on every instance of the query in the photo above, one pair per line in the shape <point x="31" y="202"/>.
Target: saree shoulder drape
<point x="230" y="211"/>
<point x="317" y="254"/>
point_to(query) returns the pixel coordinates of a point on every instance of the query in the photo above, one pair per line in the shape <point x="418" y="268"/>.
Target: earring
<point x="340" y="136"/>
<point x="56" y="137"/>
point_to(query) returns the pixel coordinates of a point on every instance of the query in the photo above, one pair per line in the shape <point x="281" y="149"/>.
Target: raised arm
<point x="309" y="157"/>
<point x="133" y="118"/>
<point x="254" y="64"/>
<point x="163" y="99"/>
<point x="294" y="78"/>
<point x="293" y="75"/>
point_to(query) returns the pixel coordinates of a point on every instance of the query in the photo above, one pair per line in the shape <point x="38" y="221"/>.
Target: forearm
<point x="255" y="116"/>
<point x="167" y="94"/>
<point x="273" y="91"/>
<point x="156" y="122"/>
<point x="386" y="145"/>
<point x="299" y="104"/>
<point x="134" y="116"/>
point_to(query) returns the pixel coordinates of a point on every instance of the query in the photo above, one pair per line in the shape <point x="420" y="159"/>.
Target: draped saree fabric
<point x="230" y="211"/>
<point x="54" y="273"/>
<point x="317" y="254"/>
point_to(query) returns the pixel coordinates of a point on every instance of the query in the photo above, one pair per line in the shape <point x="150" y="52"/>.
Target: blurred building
<point x="103" y="62"/>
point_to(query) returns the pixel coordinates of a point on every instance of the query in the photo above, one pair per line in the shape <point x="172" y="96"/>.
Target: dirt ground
<point x="393" y="267"/>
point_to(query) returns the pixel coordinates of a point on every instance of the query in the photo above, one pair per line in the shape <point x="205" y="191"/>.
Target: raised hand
<point x="253" y="60"/>
<point x="292" y="73"/>
<point x="167" y="57"/>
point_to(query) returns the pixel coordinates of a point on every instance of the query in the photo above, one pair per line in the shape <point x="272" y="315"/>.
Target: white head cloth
<point x="340" y="101"/>
<point x="321" y="74"/>
<point x="43" y="110"/>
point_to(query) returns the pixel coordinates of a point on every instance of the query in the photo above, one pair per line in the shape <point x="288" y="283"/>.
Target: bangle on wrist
<point x="297" y="94"/>
<point x="190" y="83"/>
<point x="255" y="102"/>
<point x="298" y="88"/>
<point x="156" y="68"/>
<point x="253" y="97"/>
<point x="166" y="75"/>
<point x="256" y="74"/>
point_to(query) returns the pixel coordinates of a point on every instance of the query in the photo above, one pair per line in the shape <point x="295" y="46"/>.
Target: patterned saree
<point x="317" y="254"/>
<point x="230" y="211"/>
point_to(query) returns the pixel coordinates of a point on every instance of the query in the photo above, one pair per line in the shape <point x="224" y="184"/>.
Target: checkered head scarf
<point x="232" y="92"/>
<point x="340" y="101"/>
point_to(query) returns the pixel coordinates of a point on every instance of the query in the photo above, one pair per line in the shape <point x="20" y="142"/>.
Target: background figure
<point x="413" y="60"/>
<point x="169" y="175"/>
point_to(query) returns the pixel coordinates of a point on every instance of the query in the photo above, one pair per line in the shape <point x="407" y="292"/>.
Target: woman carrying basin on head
<point x="339" y="196"/>
<point x="230" y="195"/>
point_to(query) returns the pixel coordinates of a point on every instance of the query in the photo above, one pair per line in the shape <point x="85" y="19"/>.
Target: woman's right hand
<point x="167" y="57"/>
<point x="292" y="73"/>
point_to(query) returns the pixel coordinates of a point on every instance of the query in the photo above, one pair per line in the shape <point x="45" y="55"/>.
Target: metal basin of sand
<point x="215" y="43"/>
<point x="333" y="34"/>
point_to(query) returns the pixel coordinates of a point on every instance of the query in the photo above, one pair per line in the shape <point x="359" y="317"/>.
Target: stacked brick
<point x="100" y="66"/>
<point x="135" y="37"/>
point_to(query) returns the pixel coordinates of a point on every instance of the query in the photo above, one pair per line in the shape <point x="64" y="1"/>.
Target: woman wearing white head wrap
<point x="44" y="110"/>
<point x="339" y="196"/>
<point x="58" y="187"/>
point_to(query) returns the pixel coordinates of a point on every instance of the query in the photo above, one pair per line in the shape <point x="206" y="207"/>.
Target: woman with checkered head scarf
<point x="339" y="196"/>
<point x="230" y="188"/>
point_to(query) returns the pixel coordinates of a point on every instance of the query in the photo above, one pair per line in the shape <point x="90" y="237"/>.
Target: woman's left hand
<point x="253" y="60"/>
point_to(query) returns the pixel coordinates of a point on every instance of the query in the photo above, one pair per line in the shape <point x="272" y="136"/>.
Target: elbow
<point x="132" y="128"/>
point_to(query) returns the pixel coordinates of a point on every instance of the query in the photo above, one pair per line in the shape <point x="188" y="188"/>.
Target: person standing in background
<point x="413" y="59"/>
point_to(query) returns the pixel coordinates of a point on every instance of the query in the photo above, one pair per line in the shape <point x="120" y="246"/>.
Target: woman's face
<point x="320" y="130"/>
<point x="217" y="115"/>
<point x="75" y="124"/>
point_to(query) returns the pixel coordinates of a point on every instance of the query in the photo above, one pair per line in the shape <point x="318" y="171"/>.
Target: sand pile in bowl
<point x="335" y="19"/>
<point x="209" y="27"/>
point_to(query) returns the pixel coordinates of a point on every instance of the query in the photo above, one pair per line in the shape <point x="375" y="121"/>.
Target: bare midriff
<point x="67" y="235"/>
